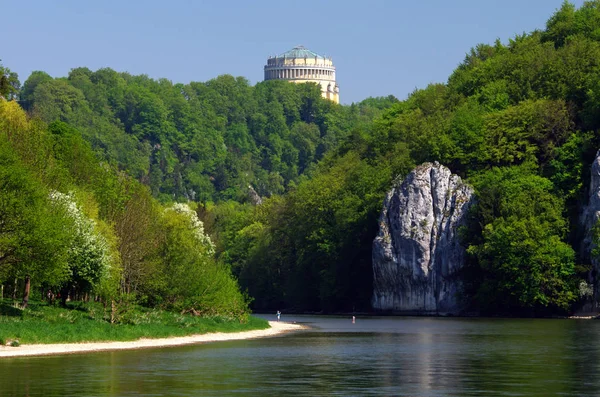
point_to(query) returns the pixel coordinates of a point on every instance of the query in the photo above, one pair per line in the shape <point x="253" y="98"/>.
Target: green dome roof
<point x="300" y="52"/>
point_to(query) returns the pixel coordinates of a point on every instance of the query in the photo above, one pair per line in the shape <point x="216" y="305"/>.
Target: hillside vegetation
<point x="113" y="153"/>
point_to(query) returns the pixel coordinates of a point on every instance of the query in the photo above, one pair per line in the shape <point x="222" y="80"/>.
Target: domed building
<point x="301" y="65"/>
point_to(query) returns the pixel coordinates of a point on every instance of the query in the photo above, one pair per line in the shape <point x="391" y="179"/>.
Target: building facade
<point x="300" y="65"/>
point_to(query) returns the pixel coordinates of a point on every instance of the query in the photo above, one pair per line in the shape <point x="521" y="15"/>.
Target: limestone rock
<point x="591" y="212"/>
<point x="254" y="198"/>
<point x="417" y="255"/>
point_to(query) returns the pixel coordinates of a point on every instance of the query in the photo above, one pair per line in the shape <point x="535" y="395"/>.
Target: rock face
<point x="591" y="212"/>
<point x="416" y="255"/>
<point x="254" y="198"/>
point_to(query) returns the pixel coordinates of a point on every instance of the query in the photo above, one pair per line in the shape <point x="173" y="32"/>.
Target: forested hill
<point x="518" y="119"/>
<point x="199" y="141"/>
<point x="91" y="154"/>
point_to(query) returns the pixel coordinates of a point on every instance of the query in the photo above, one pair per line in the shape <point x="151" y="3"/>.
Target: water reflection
<point x="374" y="357"/>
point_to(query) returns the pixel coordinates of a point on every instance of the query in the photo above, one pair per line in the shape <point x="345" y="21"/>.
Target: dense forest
<point x="128" y="164"/>
<point x="209" y="197"/>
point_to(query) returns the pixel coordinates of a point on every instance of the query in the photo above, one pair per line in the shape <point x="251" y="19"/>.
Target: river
<point x="376" y="356"/>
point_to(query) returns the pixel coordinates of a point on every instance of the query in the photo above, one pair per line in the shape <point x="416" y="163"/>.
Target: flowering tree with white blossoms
<point x="196" y="227"/>
<point x="89" y="256"/>
<point x="192" y="280"/>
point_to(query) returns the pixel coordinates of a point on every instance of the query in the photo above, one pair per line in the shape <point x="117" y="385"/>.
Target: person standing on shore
<point x="278" y="315"/>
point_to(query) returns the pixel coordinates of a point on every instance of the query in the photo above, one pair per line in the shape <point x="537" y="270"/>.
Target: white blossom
<point x="89" y="253"/>
<point x="195" y="224"/>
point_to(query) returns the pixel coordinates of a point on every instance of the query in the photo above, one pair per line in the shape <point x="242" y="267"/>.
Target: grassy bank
<point x="88" y="322"/>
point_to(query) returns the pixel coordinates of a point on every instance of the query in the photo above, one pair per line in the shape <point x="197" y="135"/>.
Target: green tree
<point x="58" y="100"/>
<point x="192" y="281"/>
<point x="89" y="254"/>
<point x="34" y="236"/>
<point x="525" y="264"/>
<point x="9" y="83"/>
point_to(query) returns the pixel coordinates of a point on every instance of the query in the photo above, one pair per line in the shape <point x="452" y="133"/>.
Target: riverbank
<point x="82" y="322"/>
<point x="276" y="328"/>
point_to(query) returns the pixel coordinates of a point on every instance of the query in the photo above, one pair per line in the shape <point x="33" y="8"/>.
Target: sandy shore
<point x="68" y="348"/>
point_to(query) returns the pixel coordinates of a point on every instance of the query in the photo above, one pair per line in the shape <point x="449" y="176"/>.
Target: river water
<point x="376" y="356"/>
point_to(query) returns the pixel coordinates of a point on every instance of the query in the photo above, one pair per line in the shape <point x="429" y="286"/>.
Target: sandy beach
<point x="277" y="328"/>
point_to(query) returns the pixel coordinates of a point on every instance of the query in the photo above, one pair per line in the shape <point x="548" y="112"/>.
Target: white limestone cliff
<point x="589" y="219"/>
<point x="417" y="254"/>
<point x="591" y="212"/>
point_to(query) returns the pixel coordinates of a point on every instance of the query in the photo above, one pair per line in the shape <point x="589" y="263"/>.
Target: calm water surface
<point x="377" y="356"/>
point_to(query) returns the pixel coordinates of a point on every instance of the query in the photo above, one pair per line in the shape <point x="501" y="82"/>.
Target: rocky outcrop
<point x="417" y="255"/>
<point x="253" y="197"/>
<point x="591" y="214"/>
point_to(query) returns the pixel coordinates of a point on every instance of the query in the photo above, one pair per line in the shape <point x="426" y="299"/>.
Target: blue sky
<point x="378" y="47"/>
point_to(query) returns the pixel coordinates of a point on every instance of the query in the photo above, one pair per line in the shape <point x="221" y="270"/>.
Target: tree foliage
<point x="72" y="225"/>
<point x="524" y="262"/>
<point x="519" y="120"/>
<point x="9" y="83"/>
<point x="199" y="141"/>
